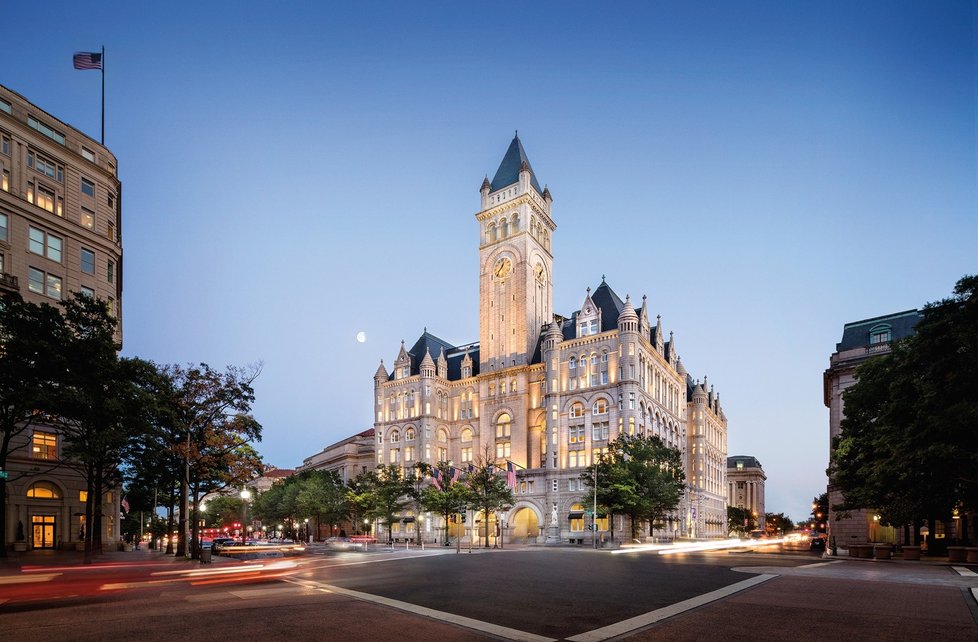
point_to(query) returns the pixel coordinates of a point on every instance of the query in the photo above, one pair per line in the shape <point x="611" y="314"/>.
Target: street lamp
<point x="245" y="496"/>
<point x="306" y="522"/>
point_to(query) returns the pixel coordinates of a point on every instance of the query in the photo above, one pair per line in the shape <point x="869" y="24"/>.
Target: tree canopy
<point x="908" y="446"/>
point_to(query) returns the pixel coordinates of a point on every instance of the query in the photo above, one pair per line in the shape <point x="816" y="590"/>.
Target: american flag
<point x="456" y="474"/>
<point x="510" y="474"/>
<point x="125" y="504"/>
<point x="87" y="60"/>
<point x="436" y="478"/>
<point x="471" y="468"/>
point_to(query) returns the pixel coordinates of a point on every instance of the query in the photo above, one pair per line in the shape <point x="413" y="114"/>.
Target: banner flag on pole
<point x="510" y="474"/>
<point x="87" y="60"/>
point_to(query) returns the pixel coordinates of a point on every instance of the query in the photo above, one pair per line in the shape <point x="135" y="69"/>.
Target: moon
<point x="361" y="336"/>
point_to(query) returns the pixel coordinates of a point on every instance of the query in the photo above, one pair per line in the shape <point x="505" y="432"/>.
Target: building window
<point x="87" y="261"/>
<point x="573" y="363"/>
<point x="45" y="166"/>
<point x="45" y="244"/>
<point x="600" y="407"/>
<point x="4" y="106"/>
<point x="575" y="434"/>
<point x="502" y="449"/>
<point x="466" y="454"/>
<point x="44" y="445"/>
<point x="5" y="145"/>
<point x="503" y="426"/>
<point x="43" y="490"/>
<point x="87" y="218"/>
<point x="110" y="271"/>
<point x="395" y="436"/>
<point x="40" y="196"/>
<point x="879" y="335"/>
<point x="110" y="231"/>
<point x="41" y="283"/>
<point x="88" y="154"/>
<point x="89" y="292"/>
<point x="577" y="410"/>
<point x="44" y="129"/>
<point x="442" y="454"/>
<point x="5" y="181"/>
<point x="409" y="453"/>
<point x="395" y="455"/>
<point x="3" y="227"/>
<point x="599" y="431"/>
<point x="88" y="187"/>
<point x="409" y="434"/>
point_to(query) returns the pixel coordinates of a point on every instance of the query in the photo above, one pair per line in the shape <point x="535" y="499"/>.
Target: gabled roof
<point x="610" y="304"/>
<point x="428" y="343"/>
<point x="509" y="169"/>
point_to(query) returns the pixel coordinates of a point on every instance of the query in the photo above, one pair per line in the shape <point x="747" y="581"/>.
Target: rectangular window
<point x="110" y="231"/>
<point x="87" y="218"/>
<point x="44" y="445"/>
<point x="1" y="262"/>
<point x="467" y="454"/>
<point x="46" y="166"/>
<point x="110" y="305"/>
<point x="594" y="326"/>
<point x="45" y="198"/>
<point x="583" y="329"/>
<point x="5" y="181"/>
<point x="555" y="485"/>
<point x="110" y="271"/>
<point x="44" y="244"/>
<point x="604" y="378"/>
<point x="83" y="496"/>
<point x="53" y="286"/>
<point x="88" y="154"/>
<point x="4" y="106"/>
<point x="41" y="283"/>
<point x="502" y="449"/>
<point x="599" y="431"/>
<point x="44" y="129"/>
<point x="575" y="434"/>
<point x="88" y="187"/>
<point x="5" y="145"/>
<point x="3" y="227"/>
<point x="89" y="292"/>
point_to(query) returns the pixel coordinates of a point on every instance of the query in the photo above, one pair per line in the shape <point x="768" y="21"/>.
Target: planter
<point x="861" y="551"/>
<point x="882" y="551"/>
<point x="911" y="552"/>
<point x="972" y="554"/>
<point x="20" y="547"/>
<point x="957" y="553"/>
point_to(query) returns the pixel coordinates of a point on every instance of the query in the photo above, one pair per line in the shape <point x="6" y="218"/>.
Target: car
<point x="222" y="542"/>
<point x="817" y="543"/>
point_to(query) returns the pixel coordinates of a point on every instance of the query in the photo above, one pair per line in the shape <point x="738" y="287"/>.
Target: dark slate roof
<point x="690" y="385"/>
<point x="749" y="462"/>
<point x="509" y="169"/>
<point x="610" y="304"/>
<point x="856" y="334"/>
<point x="454" y="355"/>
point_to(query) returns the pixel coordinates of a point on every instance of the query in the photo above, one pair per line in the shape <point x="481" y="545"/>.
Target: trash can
<point x="205" y="556"/>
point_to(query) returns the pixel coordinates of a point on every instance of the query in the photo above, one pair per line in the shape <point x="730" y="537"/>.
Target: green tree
<point x="740" y="520"/>
<point x="778" y="523"/>
<point x="640" y="476"/>
<point x="359" y="498"/>
<point x="488" y="491"/>
<point x="448" y="497"/>
<point x="818" y="519"/>
<point x="33" y="339"/>
<point x="908" y="447"/>
<point x="390" y="493"/>
<point x="222" y="511"/>
<point x="322" y="496"/>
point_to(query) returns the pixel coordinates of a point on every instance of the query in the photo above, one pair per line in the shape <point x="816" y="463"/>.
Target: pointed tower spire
<point x="509" y="168"/>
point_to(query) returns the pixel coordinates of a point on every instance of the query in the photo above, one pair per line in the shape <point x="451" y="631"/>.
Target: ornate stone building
<point x="548" y="391"/>
<point x="60" y="217"/>
<point x="745" y="485"/>
<point x="861" y="340"/>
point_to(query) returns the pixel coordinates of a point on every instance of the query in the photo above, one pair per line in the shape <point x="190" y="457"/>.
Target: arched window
<point x="600" y="407"/>
<point x="466" y="435"/>
<point x="573" y="363"/>
<point x="442" y="436"/>
<point x="515" y="224"/>
<point x="409" y="434"/>
<point x="577" y="410"/>
<point x="503" y="228"/>
<point x="395" y="436"/>
<point x="576" y="518"/>
<point x="491" y="232"/>
<point x="503" y="426"/>
<point x="43" y="490"/>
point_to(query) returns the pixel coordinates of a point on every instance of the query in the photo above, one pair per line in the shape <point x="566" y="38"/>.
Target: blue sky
<point x="293" y="174"/>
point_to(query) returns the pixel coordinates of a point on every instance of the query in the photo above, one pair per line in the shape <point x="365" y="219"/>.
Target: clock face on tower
<point x="503" y="267"/>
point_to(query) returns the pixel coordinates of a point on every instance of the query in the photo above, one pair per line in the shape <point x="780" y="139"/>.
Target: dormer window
<point x="880" y="334"/>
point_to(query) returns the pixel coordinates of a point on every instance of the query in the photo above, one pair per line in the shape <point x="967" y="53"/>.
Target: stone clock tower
<point x="515" y="263"/>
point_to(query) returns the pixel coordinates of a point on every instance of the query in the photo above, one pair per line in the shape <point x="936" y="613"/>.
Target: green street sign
<point x="3" y="474"/>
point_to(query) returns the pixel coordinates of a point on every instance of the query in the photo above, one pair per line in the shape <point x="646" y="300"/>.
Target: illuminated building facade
<point x="745" y="485"/>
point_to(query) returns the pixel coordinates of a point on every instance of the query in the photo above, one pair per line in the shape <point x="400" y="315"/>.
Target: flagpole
<point x="103" y="95"/>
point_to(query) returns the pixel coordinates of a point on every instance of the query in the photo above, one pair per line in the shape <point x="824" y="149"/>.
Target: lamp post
<point x="594" y="516"/>
<point x="245" y="496"/>
<point x="308" y="538"/>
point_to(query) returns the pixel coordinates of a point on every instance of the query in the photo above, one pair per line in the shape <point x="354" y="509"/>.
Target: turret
<point x="484" y="191"/>
<point x="628" y="319"/>
<point x="381" y="375"/>
<point x="442" y="365"/>
<point x="427" y="366"/>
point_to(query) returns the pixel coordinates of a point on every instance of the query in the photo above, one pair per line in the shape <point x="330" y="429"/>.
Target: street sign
<point x="3" y="474"/>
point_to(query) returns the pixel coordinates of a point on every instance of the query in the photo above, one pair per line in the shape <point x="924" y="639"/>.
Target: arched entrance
<point x="525" y="525"/>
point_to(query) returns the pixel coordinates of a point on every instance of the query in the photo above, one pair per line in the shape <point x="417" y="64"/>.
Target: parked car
<point x="817" y="543"/>
<point x="221" y="542"/>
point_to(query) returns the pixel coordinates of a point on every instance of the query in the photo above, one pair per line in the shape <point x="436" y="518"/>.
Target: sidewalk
<point x="14" y="562"/>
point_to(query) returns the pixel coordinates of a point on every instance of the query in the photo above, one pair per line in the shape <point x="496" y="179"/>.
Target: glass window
<point x="36" y="241"/>
<point x="44" y="445"/>
<point x="87" y="218"/>
<point x="88" y="154"/>
<point x="88" y="187"/>
<point x="45" y="198"/>
<point x="5" y="145"/>
<point x="573" y="363"/>
<point x="53" y="286"/>
<point x="54" y="248"/>
<point x="4" y="106"/>
<point x="503" y="426"/>
<point x="594" y="326"/>
<point x="110" y="271"/>
<point x="89" y="292"/>
<point x="43" y="490"/>
<point x="3" y="227"/>
<point x="502" y="449"/>
<point x="44" y="129"/>
<point x="35" y="280"/>
<point x="5" y="181"/>
<point x="87" y="261"/>
<point x="577" y="410"/>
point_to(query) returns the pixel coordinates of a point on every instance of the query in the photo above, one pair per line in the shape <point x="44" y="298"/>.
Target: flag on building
<point x="87" y="60"/>
<point x="436" y="478"/>
<point x="471" y="468"/>
<point x="510" y="474"/>
<point x="125" y="504"/>
<point x="456" y="474"/>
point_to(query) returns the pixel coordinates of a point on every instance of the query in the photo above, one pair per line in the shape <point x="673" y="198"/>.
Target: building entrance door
<point x="43" y="530"/>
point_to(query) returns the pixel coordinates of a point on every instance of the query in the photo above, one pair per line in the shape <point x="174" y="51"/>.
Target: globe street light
<point x="245" y="496"/>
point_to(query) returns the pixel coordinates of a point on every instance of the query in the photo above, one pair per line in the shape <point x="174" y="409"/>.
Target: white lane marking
<point x="966" y="572"/>
<point x="27" y="579"/>
<point x="819" y="564"/>
<point x="458" y="620"/>
<point x="640" y="621"/>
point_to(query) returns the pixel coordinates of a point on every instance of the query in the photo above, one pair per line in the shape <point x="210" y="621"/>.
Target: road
<point x="523" y="593"/>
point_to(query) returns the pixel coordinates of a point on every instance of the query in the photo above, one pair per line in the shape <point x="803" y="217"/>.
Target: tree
<point x="446" y="498"/>
<point x="323" y="496"/>
<point x="390" y="493"/>
<point x="820" y="512"/>
<point x="740" y="520"/>
<point x="640" y="476"/>
<point x="32" y="339"/>
<point x="908" y="447"/>
<point x="778" y="523"/>
<point x="358" y="498"/>
<point x="488" y="491"/>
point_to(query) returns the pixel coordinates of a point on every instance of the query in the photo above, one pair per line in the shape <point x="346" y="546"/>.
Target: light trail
<point x="697" y="547"/>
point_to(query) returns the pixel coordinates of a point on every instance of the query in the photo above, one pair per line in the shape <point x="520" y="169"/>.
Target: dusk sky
<point x="295" y="173"/>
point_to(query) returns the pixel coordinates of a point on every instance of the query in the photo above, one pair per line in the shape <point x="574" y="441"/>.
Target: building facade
<point x="349" y="457"/>
<point x="545" y="391"/>
<point x="745" y="485"/>
<point x="861" y="340"/>
<point x="60" y="225"/>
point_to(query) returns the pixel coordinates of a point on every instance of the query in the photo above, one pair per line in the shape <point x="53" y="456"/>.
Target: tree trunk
<point x="185" y="505"/>
<point x="3" y="518"/>
<point x="169" y="527"/>
<point x="89" y="519"/>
